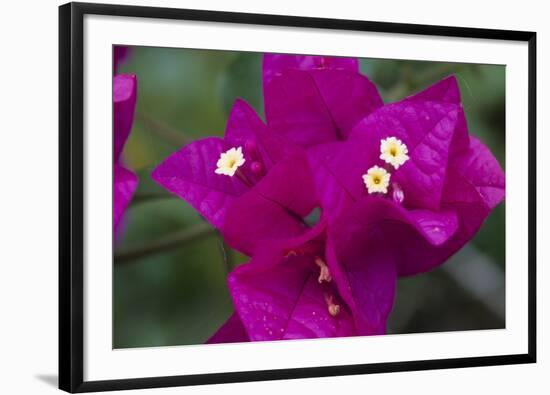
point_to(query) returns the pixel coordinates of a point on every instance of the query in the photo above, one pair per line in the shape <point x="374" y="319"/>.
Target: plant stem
<point x="126" y="255"/>
<point x="148" y="196"/>
<point x="227" y="256"/>
<point x="166" y="132"/>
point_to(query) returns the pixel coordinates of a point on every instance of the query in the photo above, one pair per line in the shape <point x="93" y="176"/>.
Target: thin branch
<point x="178" y="239"/>
<point x="166" y="132"/>
<point x="148" y="196"/>
<point x="227" y="255"/>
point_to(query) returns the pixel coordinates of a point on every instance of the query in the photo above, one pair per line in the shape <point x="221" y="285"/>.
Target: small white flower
<point x="393" y="151"/>
<point x="230" y="161"/>
<point x="377" y="179"/>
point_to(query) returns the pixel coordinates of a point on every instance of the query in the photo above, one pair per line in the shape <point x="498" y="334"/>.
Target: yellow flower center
<point x="393" y="151"/>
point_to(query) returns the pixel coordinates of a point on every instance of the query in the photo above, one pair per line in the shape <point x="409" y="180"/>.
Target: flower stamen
<point x="324" y="272"/>
<point x="333" y="308"/>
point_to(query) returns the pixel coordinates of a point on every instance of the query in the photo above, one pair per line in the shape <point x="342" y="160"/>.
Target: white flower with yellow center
<point x="377" y="179"/>
<point x="393" y="151"/>
<point x="230" y="161"/>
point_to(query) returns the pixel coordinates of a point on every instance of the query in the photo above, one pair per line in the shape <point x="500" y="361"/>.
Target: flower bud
<point x="257" y="168"/>
<point x="397" y="193"/>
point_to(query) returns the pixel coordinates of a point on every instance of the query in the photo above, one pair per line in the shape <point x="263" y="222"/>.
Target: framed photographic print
<point x="256" y="197"/>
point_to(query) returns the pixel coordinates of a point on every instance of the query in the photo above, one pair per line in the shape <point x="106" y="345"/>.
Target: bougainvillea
<point x="401" y="187"/>
<point x="120" y="54"/>
<point x="444" y="190"/>
<point x="124" y="181"/>
<point x="311" y="100"/>
<point x="251" y="177"/>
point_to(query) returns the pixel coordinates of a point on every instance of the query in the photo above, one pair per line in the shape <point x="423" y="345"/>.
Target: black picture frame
<point x="71" y="195"/>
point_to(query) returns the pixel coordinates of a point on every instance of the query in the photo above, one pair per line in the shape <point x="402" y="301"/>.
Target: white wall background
<point x="28" y="195"/>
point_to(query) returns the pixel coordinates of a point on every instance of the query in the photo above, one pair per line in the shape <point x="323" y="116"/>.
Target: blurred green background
<point x="170" y="266"/>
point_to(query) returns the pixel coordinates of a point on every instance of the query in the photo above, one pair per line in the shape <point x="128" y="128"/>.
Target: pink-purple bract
<point x="124" y="181"/>
<point x="120" y="54"/>
<point x="325" y="122"/>
<point x="313" y="100"/>
<point x="449" y="186"/>
<point x="294" y="289"/>
<point x="266" y="183"/>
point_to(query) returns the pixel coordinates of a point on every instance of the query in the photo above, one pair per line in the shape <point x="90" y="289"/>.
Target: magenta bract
<point x="325" y="125"/>
<point x="261" y="202"/>
<point x="120" y="54"/>
<point x="297" y="288"/>
<point x="312" y="100"/>
<point x="449" y="185"/>
<point x="124" y="181"/>
<point x="232" y="331"/>
<point x="280" y="293"/>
